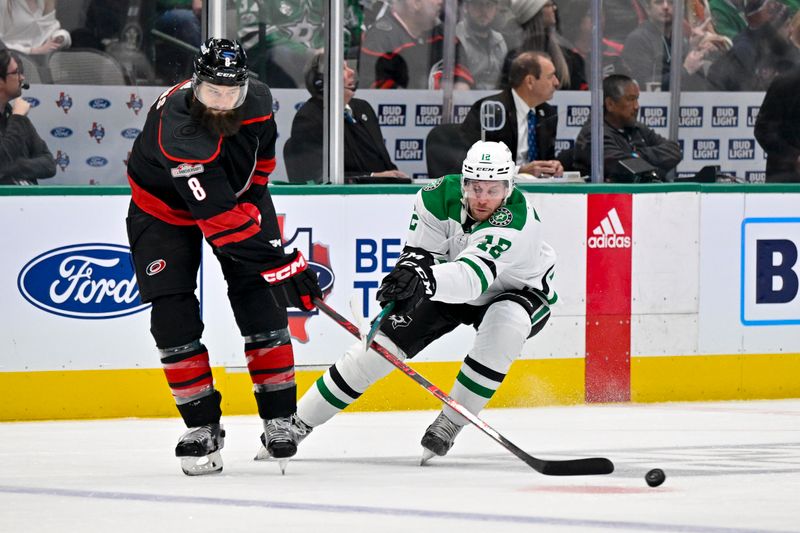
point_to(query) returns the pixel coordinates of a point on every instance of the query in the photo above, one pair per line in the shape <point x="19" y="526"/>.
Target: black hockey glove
<point x="293" y="284"/>
<point x="407" y="285"/>
<point x="419" y="256"/>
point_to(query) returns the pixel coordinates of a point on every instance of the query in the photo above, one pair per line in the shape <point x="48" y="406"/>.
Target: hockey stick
<point x="376" y="325"/>
<point x="572" y="467"/>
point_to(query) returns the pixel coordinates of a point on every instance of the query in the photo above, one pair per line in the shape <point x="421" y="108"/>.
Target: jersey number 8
<point x="196" y="188"/>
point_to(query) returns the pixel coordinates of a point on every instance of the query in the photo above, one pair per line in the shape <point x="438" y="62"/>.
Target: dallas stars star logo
<point x="502" y="217"/>
<point x="303" y="30"/>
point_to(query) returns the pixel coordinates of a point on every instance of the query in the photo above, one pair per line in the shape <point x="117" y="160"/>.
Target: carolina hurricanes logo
<point x="155" y="267"/>
<point x="319" y="261"/>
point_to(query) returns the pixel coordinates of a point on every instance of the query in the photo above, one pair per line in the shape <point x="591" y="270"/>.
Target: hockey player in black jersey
<point x="199" y="170"/>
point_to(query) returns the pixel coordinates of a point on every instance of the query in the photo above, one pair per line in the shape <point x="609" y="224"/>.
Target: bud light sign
<point x="87" y="281"/>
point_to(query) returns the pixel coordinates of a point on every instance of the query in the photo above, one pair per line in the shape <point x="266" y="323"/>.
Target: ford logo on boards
<point x="61" y="132"/>
<point x="324" y="275"/>
<point x="99" y="103"/>
<point x="130" y="133"/>
<point x="97" y="161"/>
<point x="85" y="281"/>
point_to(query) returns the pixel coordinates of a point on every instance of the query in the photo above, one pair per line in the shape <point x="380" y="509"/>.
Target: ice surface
<point x="731" y="467"/>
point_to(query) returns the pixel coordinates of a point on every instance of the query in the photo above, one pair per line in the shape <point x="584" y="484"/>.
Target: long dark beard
<point x="223" y="123"/>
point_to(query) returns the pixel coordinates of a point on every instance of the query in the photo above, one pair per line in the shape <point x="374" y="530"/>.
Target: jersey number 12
<point x="487" y="245"/>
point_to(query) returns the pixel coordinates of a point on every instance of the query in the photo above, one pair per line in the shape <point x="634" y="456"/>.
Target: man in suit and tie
<point x="530" y="122"/>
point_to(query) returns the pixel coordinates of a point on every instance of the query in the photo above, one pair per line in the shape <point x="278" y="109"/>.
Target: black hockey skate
<point x="281" y="437"/>
<point x="438" y="438"/>
<point x="199" y="448"/>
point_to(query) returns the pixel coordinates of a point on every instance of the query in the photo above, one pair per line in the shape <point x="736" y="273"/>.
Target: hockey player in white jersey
<point x="474" y="255"/>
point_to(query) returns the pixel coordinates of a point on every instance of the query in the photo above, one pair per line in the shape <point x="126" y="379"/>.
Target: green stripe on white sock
<point x="474" y="387"/>
<point x="328" y="395"/>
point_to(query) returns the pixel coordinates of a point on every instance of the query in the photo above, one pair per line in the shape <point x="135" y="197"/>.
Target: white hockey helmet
<point x="489" y="161"/>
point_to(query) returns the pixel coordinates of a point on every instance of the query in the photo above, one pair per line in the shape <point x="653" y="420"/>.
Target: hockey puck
<point x="655" y="477"/>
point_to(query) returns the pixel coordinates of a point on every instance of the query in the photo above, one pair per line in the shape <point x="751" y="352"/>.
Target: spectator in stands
<point x="793" y="30"/>
<point x="777" y="128"/>
<point x="647" y="52"/>
<point x="759" y="53"/>
<point x="728" y="16"/>
<point x="104" y="23"/>
<point x="530" y="122"/>
<point x="404" y="49"/>
<point x="623" y="136"/>
<point x="577" y="26"/>
<point x="281" y="36"/>
<point x="31" y="26"/>
<point x="365" y="153"/>
<point x="179" y="19"/>
<point x="537" y="19"/>
<point x="24" y="157"/>
<point x="485" y="49"/>
<point x="702" y="34"/>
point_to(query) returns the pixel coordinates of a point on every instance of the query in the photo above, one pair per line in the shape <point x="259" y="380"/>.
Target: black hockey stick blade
<point x="572" y="467"/>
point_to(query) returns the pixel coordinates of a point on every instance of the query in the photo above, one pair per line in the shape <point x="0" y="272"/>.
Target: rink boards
<point x="672" y="292"/>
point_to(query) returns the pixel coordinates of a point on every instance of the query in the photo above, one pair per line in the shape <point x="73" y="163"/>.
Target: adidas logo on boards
<point x="610" y="233"/>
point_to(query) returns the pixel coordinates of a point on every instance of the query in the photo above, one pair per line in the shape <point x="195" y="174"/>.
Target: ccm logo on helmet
<point x="286" y="271"/>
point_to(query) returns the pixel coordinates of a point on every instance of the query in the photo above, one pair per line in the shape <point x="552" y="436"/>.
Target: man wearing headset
<point x="24" y="156"/>
<point x="365" y="154"/>
<point x="199" y="170"/>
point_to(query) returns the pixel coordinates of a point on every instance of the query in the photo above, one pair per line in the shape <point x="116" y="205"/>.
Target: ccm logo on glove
<point x="285" y="272"/>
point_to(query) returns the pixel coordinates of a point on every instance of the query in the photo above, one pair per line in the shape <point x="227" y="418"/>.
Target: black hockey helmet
<point x="221" y="62"/>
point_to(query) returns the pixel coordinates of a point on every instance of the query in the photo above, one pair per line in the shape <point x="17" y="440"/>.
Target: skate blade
<point x="427" y="455"/>
<point x="200" y="466"/>
<point x="263" y="455"/>
<point x="282" y="464"/>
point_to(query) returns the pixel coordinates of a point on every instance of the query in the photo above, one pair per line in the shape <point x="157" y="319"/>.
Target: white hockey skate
<point x="198" y="450"/>
<point x="280" y="439"/>
<point x="438" y="438"/>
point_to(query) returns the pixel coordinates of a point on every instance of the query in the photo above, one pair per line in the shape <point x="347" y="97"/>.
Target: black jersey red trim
<point x="157" y="208"/>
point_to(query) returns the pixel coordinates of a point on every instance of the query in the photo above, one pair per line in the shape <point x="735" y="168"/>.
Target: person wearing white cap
<point x="537" y="19"/>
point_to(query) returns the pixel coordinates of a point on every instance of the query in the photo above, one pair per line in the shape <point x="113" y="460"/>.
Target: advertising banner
<point x="70" y="300"/>
<point x="679" y="295"/>
<point x="90" y="130"/>
<point x="750" y="302"/>
<point x="608" y="296"/>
